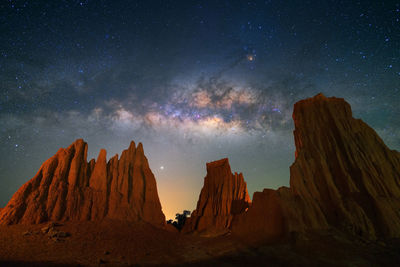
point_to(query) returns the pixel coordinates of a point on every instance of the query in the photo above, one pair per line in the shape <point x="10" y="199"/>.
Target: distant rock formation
<point x="68" y="188"/>
<point x="223" y="195"/>
<point x="343" y="176"/>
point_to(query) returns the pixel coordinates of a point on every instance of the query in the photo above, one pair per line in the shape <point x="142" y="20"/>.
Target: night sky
<point x="194" y="81"/>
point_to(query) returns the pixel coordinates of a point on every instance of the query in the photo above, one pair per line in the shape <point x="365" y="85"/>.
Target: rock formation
<point x="222" y="197"/>
<point x="343" y="176"/>
<point x="68" y="188"/>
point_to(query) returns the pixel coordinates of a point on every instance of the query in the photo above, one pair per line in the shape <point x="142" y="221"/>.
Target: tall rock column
<point x="222" y="197"/>
<point x="343" y="176"/>
<point x="343" y="168"/>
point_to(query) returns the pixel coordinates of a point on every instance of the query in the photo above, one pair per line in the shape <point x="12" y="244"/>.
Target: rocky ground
<point x="115" y="243"/>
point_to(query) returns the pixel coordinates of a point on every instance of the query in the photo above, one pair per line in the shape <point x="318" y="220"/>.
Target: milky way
<point x="194" y="81"/>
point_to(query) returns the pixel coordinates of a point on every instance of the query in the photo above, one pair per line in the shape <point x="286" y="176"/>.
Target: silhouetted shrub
<point x="180" y="219"/>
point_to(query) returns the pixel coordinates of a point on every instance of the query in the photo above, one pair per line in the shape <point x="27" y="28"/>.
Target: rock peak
<point x="357" y="173"/>
<point x="218" y="163"/>
<point x="140" y="148"/>
<point x="132" y="145"/>
<point x="102" y="153"/>
<point x="222" y="197"/>
<point x="343" y="176"/>
<point x="78" y="143"/>
<point x="68" y="188"/>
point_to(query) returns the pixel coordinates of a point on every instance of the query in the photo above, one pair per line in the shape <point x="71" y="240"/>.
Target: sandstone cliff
<point x="68" y="188"/>
<point x="343" y="176"/>
<point x="344" y="169"/>
<point x="222" y="197"/>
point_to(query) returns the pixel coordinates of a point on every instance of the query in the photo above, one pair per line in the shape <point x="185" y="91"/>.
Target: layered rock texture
<point x="343" y="176"/>
<point x="68" y="188"/>
<point x="222" y="197"/>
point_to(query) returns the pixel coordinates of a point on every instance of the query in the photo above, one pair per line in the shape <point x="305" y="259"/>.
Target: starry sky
<point x="194" y="81"/>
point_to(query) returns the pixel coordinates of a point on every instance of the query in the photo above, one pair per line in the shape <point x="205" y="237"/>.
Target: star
<point x="251" y="57"/>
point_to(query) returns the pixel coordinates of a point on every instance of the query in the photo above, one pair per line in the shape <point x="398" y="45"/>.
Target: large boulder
<point x="68" y="188"/>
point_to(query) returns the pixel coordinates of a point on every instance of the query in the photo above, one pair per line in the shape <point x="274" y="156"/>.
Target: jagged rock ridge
<point x="344" y="176"/>
<point x="68" y="188"/>
<point x="222" y="197"/>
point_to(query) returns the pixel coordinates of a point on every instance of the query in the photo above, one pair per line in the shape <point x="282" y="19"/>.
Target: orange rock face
<point x="276" y="213"/>
<point x="342" y="165"/>
<point x="344" y="176"/>
<point x="222" y="197"/>
<point x="68" y="188"/>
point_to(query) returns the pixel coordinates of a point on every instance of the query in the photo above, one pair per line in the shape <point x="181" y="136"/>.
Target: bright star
<point x="250" y="57"/>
